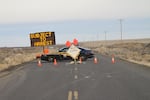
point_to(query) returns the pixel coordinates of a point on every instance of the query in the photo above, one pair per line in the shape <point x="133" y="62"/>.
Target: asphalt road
<point x="86" y="81"/>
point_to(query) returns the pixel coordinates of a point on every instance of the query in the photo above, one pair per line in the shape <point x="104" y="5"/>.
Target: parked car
<point x="63" y="55"/>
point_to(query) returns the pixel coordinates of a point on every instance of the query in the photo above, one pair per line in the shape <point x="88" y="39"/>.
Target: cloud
<point x="14" y="11"/>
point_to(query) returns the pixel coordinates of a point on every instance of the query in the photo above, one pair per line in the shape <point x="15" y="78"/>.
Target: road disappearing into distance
<point x="86" y="81"/>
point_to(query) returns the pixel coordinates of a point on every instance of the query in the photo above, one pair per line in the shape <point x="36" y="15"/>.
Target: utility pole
<point x="97" y="36"/>
<point x="121" y="27"/>
<point x="105" y="35"/>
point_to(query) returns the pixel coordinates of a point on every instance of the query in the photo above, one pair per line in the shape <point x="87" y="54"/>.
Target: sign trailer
<point x="42" y="39"/>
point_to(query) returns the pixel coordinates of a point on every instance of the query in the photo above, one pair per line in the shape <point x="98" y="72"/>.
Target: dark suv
<point x="63" y="55"/>
<point x="84" y="53"/>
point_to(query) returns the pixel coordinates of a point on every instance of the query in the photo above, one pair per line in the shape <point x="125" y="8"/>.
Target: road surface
<point x="86" y="81"/>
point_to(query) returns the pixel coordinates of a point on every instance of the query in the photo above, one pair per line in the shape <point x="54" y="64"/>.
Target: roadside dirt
<point x="12" y="56"/>
<point x="137" y="51"/>
<point x="9" y="57"/>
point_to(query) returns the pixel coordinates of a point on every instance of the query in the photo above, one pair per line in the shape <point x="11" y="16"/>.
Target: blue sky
<point x="85" y="20"/>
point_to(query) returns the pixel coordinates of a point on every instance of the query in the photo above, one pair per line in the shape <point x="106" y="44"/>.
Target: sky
<point x="86" y="20"/>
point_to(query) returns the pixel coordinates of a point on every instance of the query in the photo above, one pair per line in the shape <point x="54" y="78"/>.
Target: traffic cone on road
<point x="80" y="60"/>
<point x="113" y="59"/>
<point x="55" y="62"/>
<point x="39" y="63"/>
<point x="95" y="60"/>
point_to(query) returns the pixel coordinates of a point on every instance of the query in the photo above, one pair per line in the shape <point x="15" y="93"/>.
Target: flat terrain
<point x="137" y="51"/>
<point x="87" y="81"/>
<point x="12" y="56"/>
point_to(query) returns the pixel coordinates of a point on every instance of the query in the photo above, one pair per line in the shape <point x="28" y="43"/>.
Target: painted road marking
<point x="70" y="95"/>
<point x="73" y="95"/>
<point x="76" y="77"/>
<point x="76" y="95"/>
<point x="76" y="69"/>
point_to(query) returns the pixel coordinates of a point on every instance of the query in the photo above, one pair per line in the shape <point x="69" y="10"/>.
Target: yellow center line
<point x="75" y="95"/>
<point x="70" y="95"/>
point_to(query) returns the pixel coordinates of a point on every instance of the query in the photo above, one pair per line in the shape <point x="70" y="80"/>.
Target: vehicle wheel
<point x="50" y="59"/>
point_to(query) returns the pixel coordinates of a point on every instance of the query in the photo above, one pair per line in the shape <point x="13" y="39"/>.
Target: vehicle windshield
<point x="63" y="49"/>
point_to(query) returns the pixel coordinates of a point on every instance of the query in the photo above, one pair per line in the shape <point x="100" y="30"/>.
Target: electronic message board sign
<point x="42" y="39"/>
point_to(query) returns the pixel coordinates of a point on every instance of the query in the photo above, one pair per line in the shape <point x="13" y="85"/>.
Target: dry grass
<point x="137" y="51"/>
<point x="10" y="57"/>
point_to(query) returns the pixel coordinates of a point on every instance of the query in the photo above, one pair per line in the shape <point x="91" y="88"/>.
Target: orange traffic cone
<point x="39" y="63"/>
<point x="80" y="60"/>
<point x="55" y="62"/>
<point x="95" y="60"/>
<point x="113" y="59"/>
